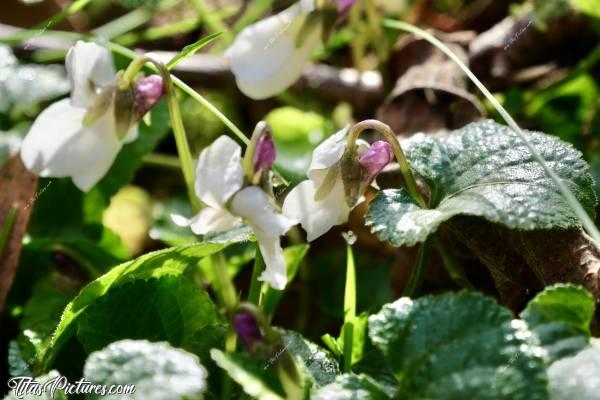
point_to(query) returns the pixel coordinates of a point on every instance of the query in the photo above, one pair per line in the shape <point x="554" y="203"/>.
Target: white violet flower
<point x="321" y="202"/>
<point x="79" y="137"/>
<point x="268" y="56"/>
<point x="220" y="186"/>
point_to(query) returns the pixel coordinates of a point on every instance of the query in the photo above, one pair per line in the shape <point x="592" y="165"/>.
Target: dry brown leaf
<point x="18" y="192"/>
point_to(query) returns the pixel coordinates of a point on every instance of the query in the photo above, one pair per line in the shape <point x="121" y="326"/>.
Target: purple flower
<point x="247" y="329"/>
<point x="374" y="159"/>
<point x="148" y="91"/>
<point x="265" y="153"/>
<point x="344" y="5"/>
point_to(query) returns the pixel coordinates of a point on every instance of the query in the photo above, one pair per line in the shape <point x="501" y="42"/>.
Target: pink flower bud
<point x="374" y="159"/>
<point x="148" y="91"/>
<point x="344" y="5"/>
<point x="247" y="329"/>
<point x="265" y="153"/>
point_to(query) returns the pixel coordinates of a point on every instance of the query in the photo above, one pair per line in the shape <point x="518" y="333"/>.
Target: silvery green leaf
<point x="27" y="85"/>
<point x="352" y="387"/>
<point x="484" y="170"/>
<point x="158" y="371"/>
<point x="576" y="377"/>
<point x="459" y="346"/>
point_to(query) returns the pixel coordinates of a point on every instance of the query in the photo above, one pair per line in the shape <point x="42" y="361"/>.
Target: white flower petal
<point x="264" y="57"/>
<point x="219" y="173"/>
<point x="88" y="66"/>
<point x="275" y="273"/>
<point x="58" y="145"/>
<point x="316" y="217"/>
<point x="326" y="154"/>
<point x="208" y="220"/>
<point x="257" y="209"/>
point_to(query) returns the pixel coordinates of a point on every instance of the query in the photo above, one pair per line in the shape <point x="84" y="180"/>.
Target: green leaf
<point x="588" y="7"/>
<point x="565" y="109"/>
<point x="561" y="317"/>
<point x="158" y="371"/>
<point x="167" y="308"/>
<point x="294" y="255"/>
<point x="358" y="324"/>
<point x="253" y="375"/>
<point x="318" y="362"/>
<point x="484" y="170"/>
<point x="459" y="346"/>
<point x="191" y="49"/>
<point x="576" y="377"/>
<point x="173" y="261"/>
<point x="352" y="387"/>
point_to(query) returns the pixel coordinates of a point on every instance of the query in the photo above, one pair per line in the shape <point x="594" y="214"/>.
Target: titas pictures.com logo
<point x="26" y="386"/>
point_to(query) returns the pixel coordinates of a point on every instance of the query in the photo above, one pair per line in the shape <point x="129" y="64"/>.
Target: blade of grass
<point x="124" y="24"/>
<point x="349" y="307"/>
<point x="570" y="198"/>
<point x="191" y="49"/>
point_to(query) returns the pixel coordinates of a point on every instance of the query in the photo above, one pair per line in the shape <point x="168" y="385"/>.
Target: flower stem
<point x="183" y="148"/>
<point x="569" y="197"/>
<point x="452" y="267"/>
<point x="419" y="270"/>
<point x="256" y="285"/>
<point x="225" y="288"/>
<point x="227" y="382"/>
<point x="389" y="135"/>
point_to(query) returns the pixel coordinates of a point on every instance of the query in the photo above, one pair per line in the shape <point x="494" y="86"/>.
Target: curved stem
<point x="570" y="198"/>
<point x="419" y="270"/>
<point x="389" y="135"/>
<point x="183" y="147"/>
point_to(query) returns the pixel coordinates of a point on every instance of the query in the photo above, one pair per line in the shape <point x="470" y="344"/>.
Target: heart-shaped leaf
<point x="459" y="346"/>
<point x="147" y="367"/>
<point x="484" y="170"/>
<point x="173" y="261"/>
<point x="561" y="317"/>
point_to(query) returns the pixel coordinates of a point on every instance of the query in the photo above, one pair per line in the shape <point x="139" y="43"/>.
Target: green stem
<point x="349" y="308"/>
<point x="225" y="284"/>
<point x="256" y="285"/>
<point x="6" y="228"/>
<point x="162" y="160"/>
<point x="387" y="132"/>
<point x="125" y="52"/>
<point x="454" y="269"/>
<point x="227" y="383"/>
<point x="576" y="206"/>
<point x="419" y="270"/>
<point x="78" y="258"/>
<point x="183" y="148"/>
